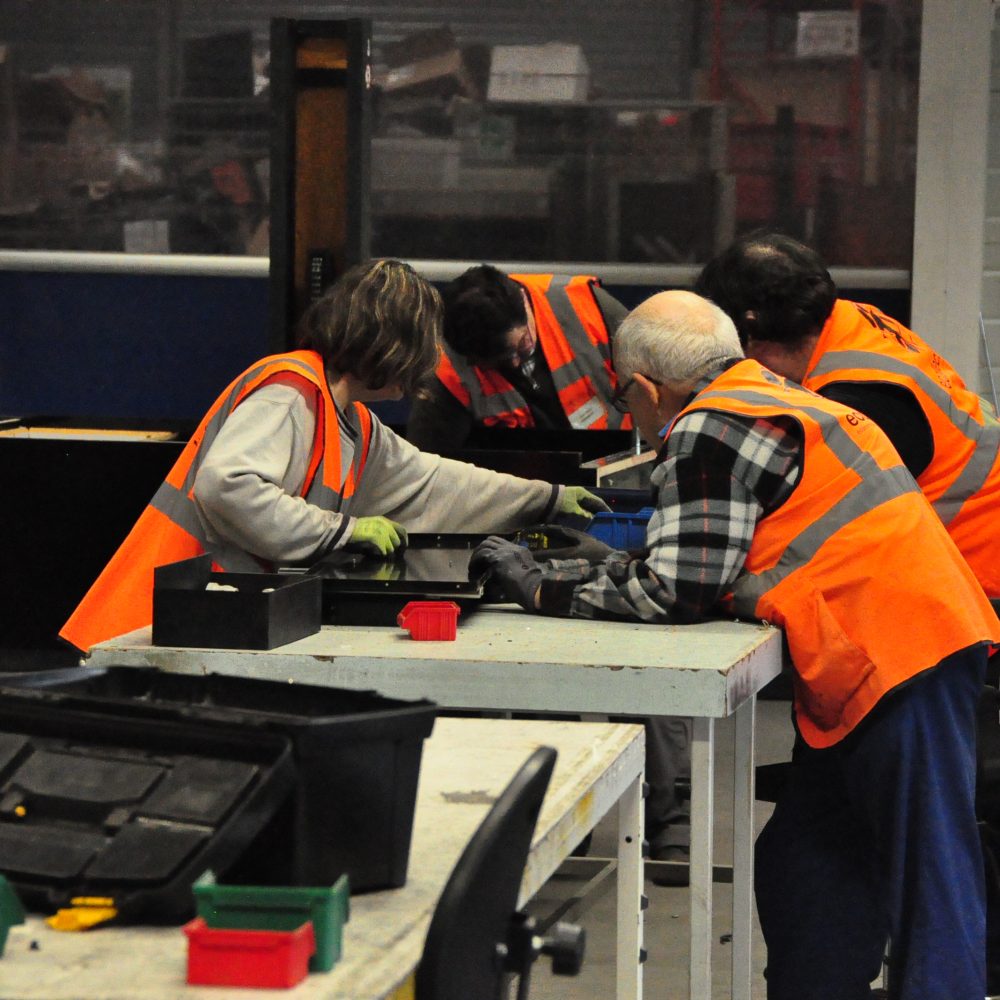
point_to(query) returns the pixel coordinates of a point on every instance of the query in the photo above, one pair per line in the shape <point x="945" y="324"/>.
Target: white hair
<point x="674" y="346"/>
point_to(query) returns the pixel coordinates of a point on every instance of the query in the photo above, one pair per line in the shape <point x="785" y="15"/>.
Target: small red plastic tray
<point x="264" y="959"/>
<point x="429" y="619"/>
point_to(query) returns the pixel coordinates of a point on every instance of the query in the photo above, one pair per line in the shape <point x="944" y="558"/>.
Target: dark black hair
<point x="481" y="306"/>
<point x="782" y="282"/>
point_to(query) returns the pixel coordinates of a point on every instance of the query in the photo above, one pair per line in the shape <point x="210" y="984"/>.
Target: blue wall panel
<point x="147" y="347"/>
<point x="125" y="347"/>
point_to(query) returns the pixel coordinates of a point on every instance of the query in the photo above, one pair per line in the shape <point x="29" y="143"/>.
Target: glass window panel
<point x="645" y="131"/>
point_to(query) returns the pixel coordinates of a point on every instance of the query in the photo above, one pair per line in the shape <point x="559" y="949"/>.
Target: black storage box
<point x="356" y="757"/>
<point x="265" y="610"/>
<point x="128" y="807"/>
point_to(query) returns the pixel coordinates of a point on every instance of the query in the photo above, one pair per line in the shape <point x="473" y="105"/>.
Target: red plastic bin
<point x="263" y="959"/>
<point x="429" y="619"/>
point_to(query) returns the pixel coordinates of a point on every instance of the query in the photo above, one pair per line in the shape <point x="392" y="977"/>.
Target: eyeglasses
<point x="522" y="350"/>
<point x="618" y="396"/>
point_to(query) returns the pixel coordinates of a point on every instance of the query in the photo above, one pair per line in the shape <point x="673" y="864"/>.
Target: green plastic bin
<point x="281" y="908"/>
<point x="11" y="911"/>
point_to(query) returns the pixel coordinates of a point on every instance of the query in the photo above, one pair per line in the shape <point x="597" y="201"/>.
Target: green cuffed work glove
<point x="578" y="502"/>
<point x="377" y="534"/>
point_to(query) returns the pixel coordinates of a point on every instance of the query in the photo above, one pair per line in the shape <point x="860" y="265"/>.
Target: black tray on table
<point x="362" y="589"/>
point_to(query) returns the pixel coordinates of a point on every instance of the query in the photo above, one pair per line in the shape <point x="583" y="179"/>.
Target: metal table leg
<point x="630" y="884"/>
<point x="702" y="833"/>
<point x="743" y="840"/>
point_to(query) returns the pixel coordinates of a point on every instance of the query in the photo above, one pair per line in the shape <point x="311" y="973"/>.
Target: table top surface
<point x="466" y="765"/>
<point x="503" y="658"/>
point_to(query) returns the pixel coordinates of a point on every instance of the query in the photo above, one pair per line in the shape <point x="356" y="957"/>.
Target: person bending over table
<point x="534" y="351"/>
<point x="522" y="350"/>
<point x="774" y="503"/>
<point x="789" y="317"/>
<point x="289" y="463"/>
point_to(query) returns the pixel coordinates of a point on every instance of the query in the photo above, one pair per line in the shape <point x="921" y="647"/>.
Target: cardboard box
<point x="419" y="45"/>
<point x="819" y="93"/>
<point x="427" y="62"/>
<point x="263" y="611"/>
<point x="543" y="74"/>
<point x="445" y="74"/>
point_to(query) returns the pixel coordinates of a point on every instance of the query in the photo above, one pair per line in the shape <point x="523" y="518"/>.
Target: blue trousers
<point x="874" y="839"/>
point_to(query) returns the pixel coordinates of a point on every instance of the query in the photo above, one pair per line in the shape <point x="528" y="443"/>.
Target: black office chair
<point x="476" y="941"/>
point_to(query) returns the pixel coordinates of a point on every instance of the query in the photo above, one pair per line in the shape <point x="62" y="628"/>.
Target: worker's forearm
<point x="425" y="492"/>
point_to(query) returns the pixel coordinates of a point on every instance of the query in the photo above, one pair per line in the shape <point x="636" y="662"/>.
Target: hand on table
<point x="569" y="543"/>
<point x="510" y="566"/>
<point x="378" y="535"/>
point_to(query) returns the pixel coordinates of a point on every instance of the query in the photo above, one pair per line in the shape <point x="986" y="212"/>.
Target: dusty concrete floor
<point x="666" y="925"/>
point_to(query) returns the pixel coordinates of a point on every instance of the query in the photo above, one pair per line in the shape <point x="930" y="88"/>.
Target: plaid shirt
<point x="718" y="475"/>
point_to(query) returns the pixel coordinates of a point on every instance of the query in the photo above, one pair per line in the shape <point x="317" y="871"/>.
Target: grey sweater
<point x="246" y="490"/>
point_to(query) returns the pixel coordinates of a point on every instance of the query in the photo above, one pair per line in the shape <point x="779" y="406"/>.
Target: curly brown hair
<point x="380" y="322"/>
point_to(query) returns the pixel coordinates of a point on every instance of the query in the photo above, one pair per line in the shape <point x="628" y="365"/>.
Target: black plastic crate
<point x="356" y="756"/>
<point x="130" y="808"/>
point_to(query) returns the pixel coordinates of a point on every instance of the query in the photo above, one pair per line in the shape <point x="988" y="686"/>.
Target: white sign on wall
<point x="827" y="33"/>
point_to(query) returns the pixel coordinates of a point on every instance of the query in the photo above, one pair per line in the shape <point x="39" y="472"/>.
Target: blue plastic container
<point x="622" y="530"/>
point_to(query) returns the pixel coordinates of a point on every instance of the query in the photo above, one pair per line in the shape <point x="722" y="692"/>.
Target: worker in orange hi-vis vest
<point x="776" y="504"/>
<point x="784" y="303"/>
<point x="289" y="463"/>
<point x="520" y="351"/>
<point x="534" y="352"/>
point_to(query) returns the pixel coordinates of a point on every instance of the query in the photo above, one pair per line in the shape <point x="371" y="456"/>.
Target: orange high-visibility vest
<point x="121" y="599"/>
<point x="574" y="339"/>
<point x="859" y="343"/>
<point x="854" y="565"/>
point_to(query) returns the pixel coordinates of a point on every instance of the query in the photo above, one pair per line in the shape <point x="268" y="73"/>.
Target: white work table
<point x="466" y="764"/>
<point x="504" y="659"/>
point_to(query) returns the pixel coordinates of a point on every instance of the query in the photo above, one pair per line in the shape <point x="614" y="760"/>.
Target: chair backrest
<point x="460" y="960"/>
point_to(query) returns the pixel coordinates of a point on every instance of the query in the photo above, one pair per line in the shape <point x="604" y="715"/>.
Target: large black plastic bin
<point x="130" y="808"/>
<point x="356" y="756"/>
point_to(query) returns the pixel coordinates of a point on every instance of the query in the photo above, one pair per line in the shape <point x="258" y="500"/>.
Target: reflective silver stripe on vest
<point x="176" y="504"/>
<point x="877" y="486"/>
<point x="588" y="359"/>
<point x="319" y="493"/>
<point x="836" y="438"/>
<point x="482" y="406"/>
<point x="985" y="438"/>
<point x="871" y="492"/>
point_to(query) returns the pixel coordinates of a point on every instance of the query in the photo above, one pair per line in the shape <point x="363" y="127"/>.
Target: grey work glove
<point x="510" y="566"/>
<point x="561" y="542"/>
